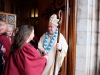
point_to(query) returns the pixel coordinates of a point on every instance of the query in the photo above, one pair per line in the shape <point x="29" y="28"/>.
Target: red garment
<point x="12" y="39"/>
<point x="7" y="45"/>
<point x="25" y="61"/>
<point x="36" y="40"/>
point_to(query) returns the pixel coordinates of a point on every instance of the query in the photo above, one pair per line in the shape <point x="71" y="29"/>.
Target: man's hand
<point x="58" y="46"/>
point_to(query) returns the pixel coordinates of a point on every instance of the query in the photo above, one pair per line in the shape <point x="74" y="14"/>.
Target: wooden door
<point x="71" y="57"/>
<point x="68" y="28"/>
<point x="46" y="8"/>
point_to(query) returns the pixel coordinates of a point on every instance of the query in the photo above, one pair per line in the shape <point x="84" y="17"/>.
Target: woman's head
<point x="24" y="34"/>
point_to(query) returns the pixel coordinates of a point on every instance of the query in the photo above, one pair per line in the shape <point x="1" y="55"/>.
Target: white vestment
<point x="51" y="55"/>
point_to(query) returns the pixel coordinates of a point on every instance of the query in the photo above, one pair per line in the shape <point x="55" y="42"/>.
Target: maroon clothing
<point x="6" y="44"/>
<point x="35" y="41"/>
<point x="25" y="61"/>
<point x="12" y="39"/>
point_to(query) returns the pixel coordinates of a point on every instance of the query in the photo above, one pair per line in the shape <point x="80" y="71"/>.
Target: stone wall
<point x="87" y="37"/>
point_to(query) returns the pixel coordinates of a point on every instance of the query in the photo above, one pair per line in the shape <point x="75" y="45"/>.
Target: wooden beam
<point x="71" y="60"/>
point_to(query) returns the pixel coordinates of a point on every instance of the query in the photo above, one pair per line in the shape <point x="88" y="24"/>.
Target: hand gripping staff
<point x="59" y="28"/>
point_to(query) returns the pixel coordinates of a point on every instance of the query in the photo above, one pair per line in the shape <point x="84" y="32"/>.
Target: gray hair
<point x="10" y="25"/>
<point x="2" y="26"/>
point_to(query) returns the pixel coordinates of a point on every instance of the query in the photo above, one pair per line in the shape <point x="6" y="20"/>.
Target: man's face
<point x="9" y="31"/>
<point x="51" y="28"/>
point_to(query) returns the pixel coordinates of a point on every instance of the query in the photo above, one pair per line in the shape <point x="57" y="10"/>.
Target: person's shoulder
<point x="3" y="36"/>
<point x="27" y="46"/>
<point x="43" y="35"/>
<point x="12" y="37"/>
<point x="61" y="35"/>
<point x="35" y="38"/>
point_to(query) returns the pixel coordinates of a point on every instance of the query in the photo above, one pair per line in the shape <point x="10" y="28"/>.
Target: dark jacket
<point x="1" y="54"/>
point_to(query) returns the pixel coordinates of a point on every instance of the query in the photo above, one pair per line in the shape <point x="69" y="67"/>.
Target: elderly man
<point x="48" y="44"/>
<point x="9" y="33"/>
<point x="3" y="28"/>
<point x="6" y="44"/>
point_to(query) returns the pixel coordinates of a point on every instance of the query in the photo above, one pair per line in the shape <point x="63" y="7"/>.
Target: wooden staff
<point x="59" y="28"/>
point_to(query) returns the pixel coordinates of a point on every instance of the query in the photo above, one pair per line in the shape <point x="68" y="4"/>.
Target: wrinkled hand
<point x="58" y="46"/>
<point x="3" y="49"/>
